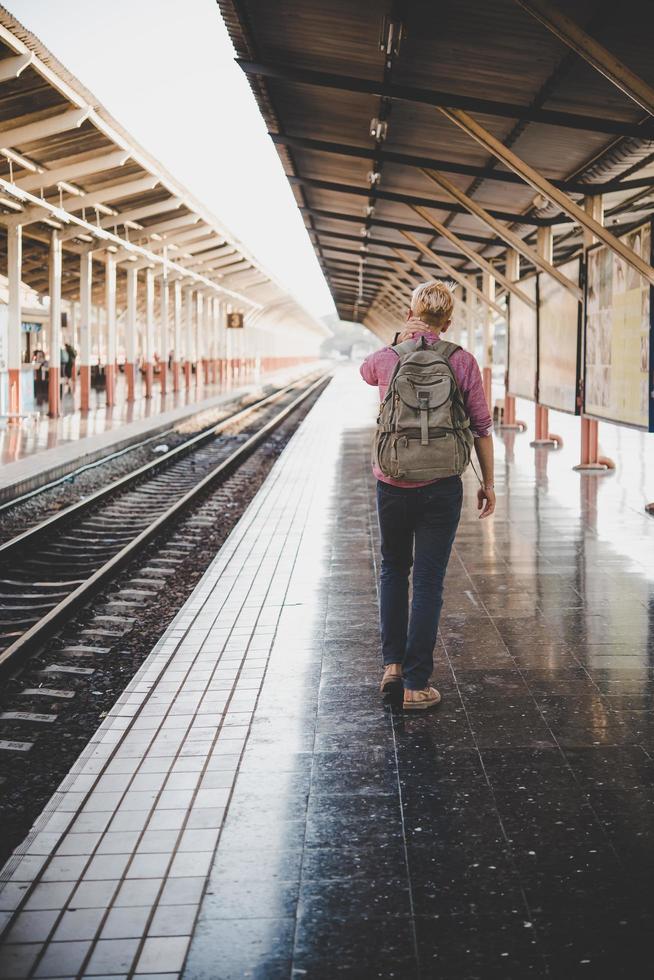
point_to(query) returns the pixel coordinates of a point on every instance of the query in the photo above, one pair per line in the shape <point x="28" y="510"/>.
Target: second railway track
<point x="54" y="568"/>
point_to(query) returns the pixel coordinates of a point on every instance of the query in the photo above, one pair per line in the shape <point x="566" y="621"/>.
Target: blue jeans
<point x="417" y="526"/>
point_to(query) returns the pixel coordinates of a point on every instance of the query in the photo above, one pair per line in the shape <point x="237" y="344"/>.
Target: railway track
<point x="51" y="570"/>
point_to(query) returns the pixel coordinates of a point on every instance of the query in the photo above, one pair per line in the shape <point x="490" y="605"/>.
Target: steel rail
<point x="13" y="655"/>
<point x="25" y="538"/>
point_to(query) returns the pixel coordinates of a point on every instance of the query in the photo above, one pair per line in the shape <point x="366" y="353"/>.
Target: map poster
<point x="618" y="358"/>
<point x="523" y="333"/>
<point x="559" y="339"/>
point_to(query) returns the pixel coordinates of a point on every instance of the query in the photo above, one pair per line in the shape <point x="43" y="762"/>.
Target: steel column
<point x="131" y="332"/>
<point x="590" y="460"/>
<point x="14" y="321"/>
<point x="188" y="338"/>
<point x="148" y="346"/>
<point x="177" y="331"/>
<point x="54" y="334"/>
<point x="110" y="306"/>
<point x="163" y="331"/>
<point x="85" y="313"/>
<point x="488" y="285"/>
<point x="197" y="340"/>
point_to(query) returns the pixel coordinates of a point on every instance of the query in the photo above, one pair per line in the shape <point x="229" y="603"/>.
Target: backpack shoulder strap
<point x="445" y="348"/>
<point x="406" y="347"/>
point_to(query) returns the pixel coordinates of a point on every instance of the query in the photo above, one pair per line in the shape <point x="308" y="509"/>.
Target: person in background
<point x="418" y="521"/>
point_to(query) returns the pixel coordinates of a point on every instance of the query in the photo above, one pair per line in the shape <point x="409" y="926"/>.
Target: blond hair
<point x="433" y="302"/>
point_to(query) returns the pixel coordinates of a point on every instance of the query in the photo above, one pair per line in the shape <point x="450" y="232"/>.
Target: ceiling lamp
<point x="378" y="129"/>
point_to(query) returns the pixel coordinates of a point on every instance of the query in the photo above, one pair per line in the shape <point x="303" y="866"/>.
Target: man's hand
<point x="405" y="335"/>
<point x="485" y="501"/>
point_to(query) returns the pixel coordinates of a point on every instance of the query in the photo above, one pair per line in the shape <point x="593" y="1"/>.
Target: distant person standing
<point x="433" y="410"/>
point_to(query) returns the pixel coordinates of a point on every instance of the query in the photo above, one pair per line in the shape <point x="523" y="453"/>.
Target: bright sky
<point x="165" y="70"/>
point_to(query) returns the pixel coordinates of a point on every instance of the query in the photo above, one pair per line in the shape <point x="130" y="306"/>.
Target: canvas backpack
<point x="423" y="431"/>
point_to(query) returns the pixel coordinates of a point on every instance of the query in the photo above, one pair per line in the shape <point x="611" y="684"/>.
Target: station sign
<point x="235" y="321"/>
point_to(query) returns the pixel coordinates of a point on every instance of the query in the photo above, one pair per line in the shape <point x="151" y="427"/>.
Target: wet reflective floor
<point x="510" y="833"/>
<point x="507" y="834"/>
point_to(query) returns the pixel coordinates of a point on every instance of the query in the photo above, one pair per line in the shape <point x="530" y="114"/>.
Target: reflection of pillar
<point x="130" y="332"/>
<point x="163" y="331"/>
<point x="148" y="346"/>
<point x="14" y="322"/>
<point x="85" y="309"/>
<point x="188" y="338"/>
<point x="110" y="303"/>
<point x="488" y="286"/>
<point x="54" y="335"/>
<point x="177" y="331"/>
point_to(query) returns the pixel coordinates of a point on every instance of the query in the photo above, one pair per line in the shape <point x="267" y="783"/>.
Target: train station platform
<point x="251" y="808"/>
<point x="42" y="449"/>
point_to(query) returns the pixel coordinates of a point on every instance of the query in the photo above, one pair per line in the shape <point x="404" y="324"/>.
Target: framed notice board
<point x="522" y="355"/>
<point x="559" y="341"/>
<point x="619" y="335"/>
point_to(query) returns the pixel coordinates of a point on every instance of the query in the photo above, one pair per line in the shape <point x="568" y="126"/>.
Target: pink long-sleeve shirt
<point x="378" y="368"/>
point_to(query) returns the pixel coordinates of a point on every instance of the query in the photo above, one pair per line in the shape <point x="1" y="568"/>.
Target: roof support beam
<point x="420" y="269"/>
<point x="72" y="170"/>
<point x="173" y="224"/>
<point x="61" y="123"/>
<point x="541" y="184"/>
<point x="568" y="31"/>
<point x="12" y="67"/>
<point x="479" y="260"/>
<point x="407" y="93"/>
<point x="147" y="211"/>
<point x="328" y="185"/>
<point x="509" y="236"/>
<point x="396" y="225"/>
<point x="454" y="273"/>
<point x="449" y="166"/>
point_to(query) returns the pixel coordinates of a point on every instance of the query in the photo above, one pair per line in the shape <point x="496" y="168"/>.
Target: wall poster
<point x="618" y="356"/>
<point x="523" y="333"/>
<point x="559" y="341"/>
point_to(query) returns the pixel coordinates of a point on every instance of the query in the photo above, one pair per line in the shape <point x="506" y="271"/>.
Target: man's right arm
<point x="368" y="369"/>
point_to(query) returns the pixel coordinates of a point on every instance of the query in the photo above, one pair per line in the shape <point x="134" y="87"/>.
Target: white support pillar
<point x="110" y="305"/>
<point x="14" y="338"/>
<point x="589" y="457"/>
<point x="471" y="318"/>
<point x="177" y="331"/>
<point x="488" y="287"/>
<point x="213" y="341"/>
<point x="131" y="332"/>
<point x="164" y="330"/>
<point x="148" y="347"/>
<point x="188" y="338"/>
<point x="544" y="248"/>
<point x="512" y="273"/>
<point x="54" y="334"/>
<point x="197" y="340"/>
<point x="206" y="337"/>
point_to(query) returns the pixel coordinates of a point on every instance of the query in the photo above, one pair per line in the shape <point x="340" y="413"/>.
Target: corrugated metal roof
<point x="472" y="49"/>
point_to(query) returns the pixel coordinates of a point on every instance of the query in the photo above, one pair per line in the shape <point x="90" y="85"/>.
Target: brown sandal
<point x="392" y="678"/>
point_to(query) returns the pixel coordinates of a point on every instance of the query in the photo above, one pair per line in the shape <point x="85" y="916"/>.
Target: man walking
<point x="433" y="409"/>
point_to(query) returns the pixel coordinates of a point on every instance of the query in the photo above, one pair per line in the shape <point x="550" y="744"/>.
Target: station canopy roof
<point x="66" y="164"/>
<point x="361" y="98"/>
